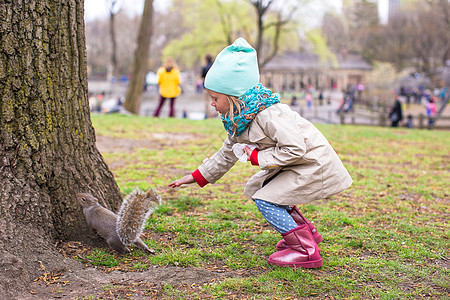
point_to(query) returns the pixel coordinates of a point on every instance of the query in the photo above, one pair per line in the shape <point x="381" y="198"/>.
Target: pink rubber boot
<point x="303" y="251"/>
<point x="300" y="220"/>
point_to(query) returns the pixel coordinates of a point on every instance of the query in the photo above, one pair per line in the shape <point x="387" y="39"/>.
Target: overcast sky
<point x="98" y="8"/>
<point x="94" y="9"/>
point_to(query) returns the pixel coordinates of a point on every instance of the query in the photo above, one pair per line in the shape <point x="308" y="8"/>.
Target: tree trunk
<point x="261" y="9"/>
<point x="47" y="142"/>
<point x="136" y="86"/>
<point x="112" y="32"/>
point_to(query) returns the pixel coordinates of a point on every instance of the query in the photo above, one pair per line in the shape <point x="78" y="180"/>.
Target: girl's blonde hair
<point x="170" y="64"/>
<point x="235" y="102"/>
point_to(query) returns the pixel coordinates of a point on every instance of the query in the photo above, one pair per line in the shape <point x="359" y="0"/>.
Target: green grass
<point x="386" y="237"/>
<point x="102" y="258"/>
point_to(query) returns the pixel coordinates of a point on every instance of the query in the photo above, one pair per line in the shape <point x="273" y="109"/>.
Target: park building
<point x="294" y="72"/>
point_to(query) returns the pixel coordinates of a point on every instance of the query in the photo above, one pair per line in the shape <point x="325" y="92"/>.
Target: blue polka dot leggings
<point x="277" y="215"/>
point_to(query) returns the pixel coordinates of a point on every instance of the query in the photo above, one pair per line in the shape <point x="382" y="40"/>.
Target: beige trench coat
<point x="297" y="163"/>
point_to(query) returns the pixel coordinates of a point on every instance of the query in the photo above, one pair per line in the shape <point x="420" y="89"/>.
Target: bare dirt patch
<point x="156" y="141"/>
<point x="83" y="281"/>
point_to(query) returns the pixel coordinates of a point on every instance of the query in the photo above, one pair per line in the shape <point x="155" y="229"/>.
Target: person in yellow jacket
<point x="169" y="85"/>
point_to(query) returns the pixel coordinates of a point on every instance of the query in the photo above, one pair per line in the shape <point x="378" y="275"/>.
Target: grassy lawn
<point x="387" y="237"/>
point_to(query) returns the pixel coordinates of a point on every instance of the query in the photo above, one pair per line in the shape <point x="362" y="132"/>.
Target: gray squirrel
<point x="122" y="229"/>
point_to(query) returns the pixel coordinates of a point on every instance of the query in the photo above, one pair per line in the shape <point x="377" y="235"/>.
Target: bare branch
<point x="227" y="29"/>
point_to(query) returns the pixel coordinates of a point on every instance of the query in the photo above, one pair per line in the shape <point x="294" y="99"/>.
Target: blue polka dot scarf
<point x="255" y="99"/>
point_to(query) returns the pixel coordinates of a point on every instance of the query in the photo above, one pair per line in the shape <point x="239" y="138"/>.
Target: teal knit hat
<point x="235" y="70"/>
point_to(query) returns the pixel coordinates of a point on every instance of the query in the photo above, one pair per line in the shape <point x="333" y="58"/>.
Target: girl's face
<point x="219" y="102"/>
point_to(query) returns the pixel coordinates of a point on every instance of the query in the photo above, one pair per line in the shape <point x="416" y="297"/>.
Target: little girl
<point x="297" y="163"/>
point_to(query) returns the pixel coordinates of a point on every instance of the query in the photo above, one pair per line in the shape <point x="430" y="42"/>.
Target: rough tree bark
<point x="133" y="98"/>
<point x="47" y="142"/>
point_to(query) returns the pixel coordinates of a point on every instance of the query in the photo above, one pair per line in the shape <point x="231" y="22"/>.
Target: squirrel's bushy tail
<point x="135" y="210"/>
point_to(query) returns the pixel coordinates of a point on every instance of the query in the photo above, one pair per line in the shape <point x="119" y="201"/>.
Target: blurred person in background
<point x="208" y="63"/>
<point x="431" y="110"/>
<point x="396" y="115"/>
<point x="169" y="81"/>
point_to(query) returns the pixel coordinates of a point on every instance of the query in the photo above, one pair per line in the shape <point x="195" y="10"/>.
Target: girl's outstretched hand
<point x="248" y="151"/>
<point x="184" y="180"/>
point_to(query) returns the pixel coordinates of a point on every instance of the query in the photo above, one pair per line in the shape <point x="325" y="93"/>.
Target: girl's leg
<point x="172" y="107"/>
<point x="277" y="215"/>
<point x="161" y="103"/>
<point x="302" y="250"/>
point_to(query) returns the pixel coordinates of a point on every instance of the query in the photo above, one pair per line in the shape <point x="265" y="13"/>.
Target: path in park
<point x="192" y="105"/>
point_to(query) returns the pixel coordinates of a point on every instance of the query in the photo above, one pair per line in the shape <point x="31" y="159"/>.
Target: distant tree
<point x="281" y="17"/>
<point x="418" y="36"/>
<point x="431" y="37"/>
<point x="99" y="44"/>
<point x="205" y="26"/>
<point x="319" y="47"/>
<point x="167" y="27"/>
<point x="394" y="42"/>
<point x="98" y="49"/>
<point x="114" y="7"/>
<point x="140" y="66"/>
<point x="334" y="30"/>
<point x="444" y="9"/>
<point x="212" y="24"/>
<point x="352" y="29"/>
<point x="48" y="150"/>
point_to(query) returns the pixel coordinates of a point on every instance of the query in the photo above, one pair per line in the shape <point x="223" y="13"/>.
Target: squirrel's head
<point x="86" y="199"/>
